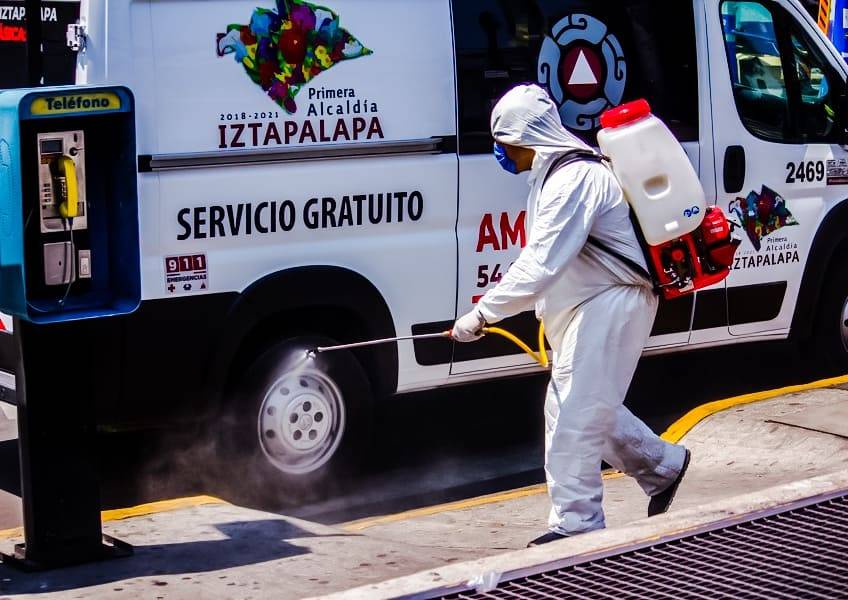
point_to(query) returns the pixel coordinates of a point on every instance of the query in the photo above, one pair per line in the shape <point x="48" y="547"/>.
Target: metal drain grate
<point x="797" y="553"/>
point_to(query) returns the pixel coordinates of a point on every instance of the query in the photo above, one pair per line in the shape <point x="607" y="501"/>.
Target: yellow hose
<point x="540" y="357"/>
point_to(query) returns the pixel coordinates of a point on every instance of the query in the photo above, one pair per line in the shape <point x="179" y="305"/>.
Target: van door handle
<point x="734" y="169"/>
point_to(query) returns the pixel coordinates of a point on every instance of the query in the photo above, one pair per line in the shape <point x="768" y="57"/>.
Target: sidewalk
<point x="206" y="548"/>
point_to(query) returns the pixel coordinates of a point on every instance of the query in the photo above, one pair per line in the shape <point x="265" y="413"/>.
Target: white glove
<point x="469" y="327"/>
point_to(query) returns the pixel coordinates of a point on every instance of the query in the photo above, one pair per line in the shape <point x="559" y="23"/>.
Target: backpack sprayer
<point x="540" y="356"/>
<point x="687" y="244"/>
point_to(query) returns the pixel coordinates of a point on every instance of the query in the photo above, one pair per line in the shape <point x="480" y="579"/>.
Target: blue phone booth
<point x="69" y="270"/>
<point x="68" y="204"/>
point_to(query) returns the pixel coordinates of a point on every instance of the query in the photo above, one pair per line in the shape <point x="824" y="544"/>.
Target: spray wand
<point x="422" y="336"/>
<point x="540" y="356"/>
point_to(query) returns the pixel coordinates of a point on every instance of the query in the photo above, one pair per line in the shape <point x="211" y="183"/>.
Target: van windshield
<point x="59" y="60"/>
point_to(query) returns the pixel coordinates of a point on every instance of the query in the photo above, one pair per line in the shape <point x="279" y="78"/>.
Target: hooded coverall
<point x="597" y="312"/>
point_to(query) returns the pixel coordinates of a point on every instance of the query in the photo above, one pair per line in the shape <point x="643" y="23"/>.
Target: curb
<point x="151" y="508"/>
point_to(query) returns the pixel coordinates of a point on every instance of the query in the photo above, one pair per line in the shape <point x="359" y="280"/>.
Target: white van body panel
<point x="197" y="106"/>
<point x="407" y="256"/>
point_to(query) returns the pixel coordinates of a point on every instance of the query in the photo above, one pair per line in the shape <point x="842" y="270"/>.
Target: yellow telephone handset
<point x="69" y="207"/>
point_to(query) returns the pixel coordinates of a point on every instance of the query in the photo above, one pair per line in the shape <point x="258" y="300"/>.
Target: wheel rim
<point x="301" y="421"/>
<point x="843" y="325"/>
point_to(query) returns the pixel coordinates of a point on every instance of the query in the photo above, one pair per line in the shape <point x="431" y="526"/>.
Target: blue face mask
<point x="505" y="162"/>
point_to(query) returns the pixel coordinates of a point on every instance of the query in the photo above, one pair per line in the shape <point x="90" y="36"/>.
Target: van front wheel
<point x="301" y="424"/>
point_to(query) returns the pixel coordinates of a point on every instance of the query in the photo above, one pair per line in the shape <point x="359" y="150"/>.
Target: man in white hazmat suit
<point x="597" y="307"/>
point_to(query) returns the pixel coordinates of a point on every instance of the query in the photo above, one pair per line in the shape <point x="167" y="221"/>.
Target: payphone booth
<point x="69" y="267"/>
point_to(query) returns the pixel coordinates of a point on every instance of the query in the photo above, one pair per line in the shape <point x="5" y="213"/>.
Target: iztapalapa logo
<point x="760" y="214"/>
<point x="284" y="49"/>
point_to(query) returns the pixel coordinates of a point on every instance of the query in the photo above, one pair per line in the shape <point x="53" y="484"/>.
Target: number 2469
<point x="805" y="171"/>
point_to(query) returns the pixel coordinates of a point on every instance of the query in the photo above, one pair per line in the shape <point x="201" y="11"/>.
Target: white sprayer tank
<point x="658" y="180"/>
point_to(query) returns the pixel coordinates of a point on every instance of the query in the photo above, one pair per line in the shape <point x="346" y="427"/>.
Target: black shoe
<point x="551" y="536"/>
<point x="660" y="502"/>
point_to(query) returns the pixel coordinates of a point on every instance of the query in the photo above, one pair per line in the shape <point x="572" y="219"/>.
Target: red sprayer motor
<point x="687" y="244"/>
<point x="695" y="260"/>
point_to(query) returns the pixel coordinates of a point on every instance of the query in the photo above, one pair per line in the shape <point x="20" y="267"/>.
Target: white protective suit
<point x="597" y="312"/>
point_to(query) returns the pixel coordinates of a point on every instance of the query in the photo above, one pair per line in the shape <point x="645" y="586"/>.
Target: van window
<point x="783" y="88"/>
<point x="590" y="56"/>
<point x="59" y="60"/>
<point x="756" y="69"/>
<point x="816" y="114"/>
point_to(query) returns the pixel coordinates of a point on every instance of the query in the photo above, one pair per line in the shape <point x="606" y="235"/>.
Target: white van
<point x="310" y="175"/>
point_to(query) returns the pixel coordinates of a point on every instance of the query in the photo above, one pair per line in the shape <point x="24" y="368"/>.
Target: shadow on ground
<point x="246" y="543"/>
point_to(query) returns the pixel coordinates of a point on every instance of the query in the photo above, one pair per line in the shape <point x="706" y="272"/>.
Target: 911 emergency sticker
<point x="186" y="274"/>
<point x="6" y="324"/>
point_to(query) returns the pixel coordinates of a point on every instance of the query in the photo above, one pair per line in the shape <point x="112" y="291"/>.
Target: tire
<point x="830" y="336"/>
<point x="298" y="428"/>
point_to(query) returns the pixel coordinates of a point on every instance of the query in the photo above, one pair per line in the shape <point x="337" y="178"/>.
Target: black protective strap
<point x="573" y="156"/>
<point x="626" y="260"/>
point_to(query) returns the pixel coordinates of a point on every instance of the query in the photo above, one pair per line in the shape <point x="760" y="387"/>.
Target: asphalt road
<point x="431" y="447"/>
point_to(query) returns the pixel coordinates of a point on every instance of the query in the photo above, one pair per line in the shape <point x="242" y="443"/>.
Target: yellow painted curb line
<point x="141" y="510"/>
<point x="523" y="492"/>
<point x="161" y="506"/>
<point x="673" y="434"/>
<point x="685" y="423"/>
<point x="15" y="532"/>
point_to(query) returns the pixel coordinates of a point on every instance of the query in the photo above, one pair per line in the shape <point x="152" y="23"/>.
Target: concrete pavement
<point x="487" y="572"/>
<point x="223" y="551"/>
